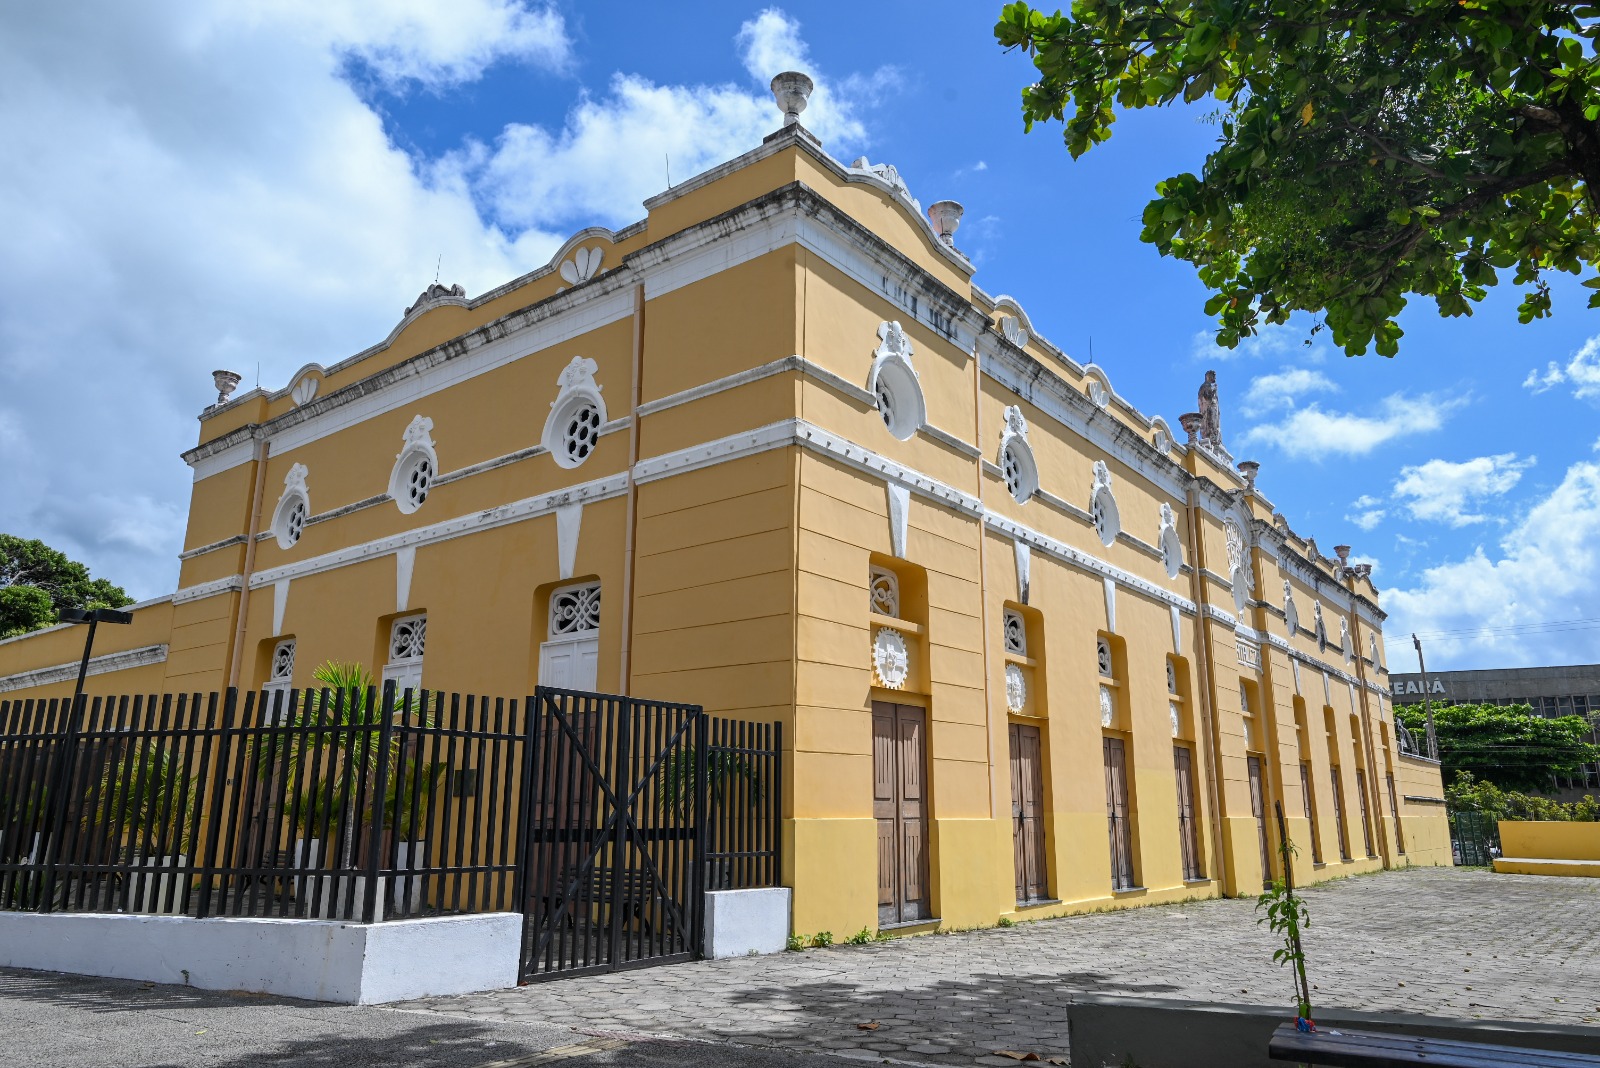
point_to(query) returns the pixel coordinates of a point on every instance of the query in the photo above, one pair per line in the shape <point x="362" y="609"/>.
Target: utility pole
<point x="1427" y="709"/>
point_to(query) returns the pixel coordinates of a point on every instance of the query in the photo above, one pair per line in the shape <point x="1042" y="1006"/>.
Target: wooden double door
<point x="1027" y="813"/>
<point x="900" y="805"/>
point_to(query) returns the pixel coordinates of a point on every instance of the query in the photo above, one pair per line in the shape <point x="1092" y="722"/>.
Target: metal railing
<point x="744" y="775"/>
<point x="322" y="804"/>
<point x="325" y="804"/>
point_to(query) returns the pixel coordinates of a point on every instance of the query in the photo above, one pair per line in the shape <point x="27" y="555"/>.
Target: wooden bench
<point x="1343" y="1048"/>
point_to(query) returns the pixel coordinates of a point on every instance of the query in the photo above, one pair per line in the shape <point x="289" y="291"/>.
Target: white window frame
<point x="406" y="670"/>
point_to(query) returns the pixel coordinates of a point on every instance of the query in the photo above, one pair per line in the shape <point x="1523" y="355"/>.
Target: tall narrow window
<point x="1311" y="812"/>
<point x="280" y="679"/>
<point x="569" y="657"/>
<point x="1394" y="806"/>
<point x="1258" y="807"/>
<point x="408" y="639"/>
<point x="1118" y="813"/>
<point x="1338" y="814"/>
<point x="1188" y="826"/>
<point x="1366" y="817"/>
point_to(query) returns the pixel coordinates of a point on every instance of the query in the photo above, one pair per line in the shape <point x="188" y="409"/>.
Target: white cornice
<point x="208" y="589"/>
<point x="100" y="665"/>
<point x="515" y="512"/>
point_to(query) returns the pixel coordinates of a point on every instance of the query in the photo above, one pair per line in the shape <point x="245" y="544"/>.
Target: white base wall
<point x="320" y="960"/>
<point x="740" y="922"/>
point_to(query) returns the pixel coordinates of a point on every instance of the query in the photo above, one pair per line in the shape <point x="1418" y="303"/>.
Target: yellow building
<point x="771" y="450"/>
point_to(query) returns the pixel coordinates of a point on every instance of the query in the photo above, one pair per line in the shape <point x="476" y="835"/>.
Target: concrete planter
<point x="741" y="922"/>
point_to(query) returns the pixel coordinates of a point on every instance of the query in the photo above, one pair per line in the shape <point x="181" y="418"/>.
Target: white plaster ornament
<point x="891" y="661"/>
<point x="1016" y="688"/>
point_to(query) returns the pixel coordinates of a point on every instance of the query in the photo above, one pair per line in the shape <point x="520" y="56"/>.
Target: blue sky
<point x="191" y="187"/>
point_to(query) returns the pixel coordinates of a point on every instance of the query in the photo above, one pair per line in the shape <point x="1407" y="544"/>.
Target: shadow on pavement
<point x="956" y="1020"/>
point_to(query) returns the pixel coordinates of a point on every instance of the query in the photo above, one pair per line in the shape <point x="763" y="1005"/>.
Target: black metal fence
<point x="333" y="804"/>
<point x="345" y="804"/>
<point x="1474" y="837"/>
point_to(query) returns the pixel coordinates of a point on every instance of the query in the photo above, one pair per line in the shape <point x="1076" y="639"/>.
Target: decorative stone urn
<point x="1249" y="468"/>
<point x="791" y="89"/>
<point x="1190" y="421"/>
<point x="946" y="216"/>
<point x="226" y="382"/>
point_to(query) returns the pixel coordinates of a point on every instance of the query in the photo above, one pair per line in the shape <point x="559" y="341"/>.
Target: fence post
<point x="60" y="782"/>
<point x="219" y="802"/>
<point x="379" y="796"/>
<point x="697" y="884"/>
<point x="775" y="818"/>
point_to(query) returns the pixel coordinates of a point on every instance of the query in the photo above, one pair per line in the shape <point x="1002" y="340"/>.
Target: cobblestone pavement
<point x="1438" y="941"/>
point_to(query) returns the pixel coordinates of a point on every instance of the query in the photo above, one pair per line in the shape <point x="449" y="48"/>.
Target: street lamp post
<point x="67" y="746"/>
<point x="1427" y="709"/>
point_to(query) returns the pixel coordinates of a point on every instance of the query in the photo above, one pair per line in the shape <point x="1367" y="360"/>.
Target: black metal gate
<point x="613" y="833"/>
<point x="1474" y="838"/>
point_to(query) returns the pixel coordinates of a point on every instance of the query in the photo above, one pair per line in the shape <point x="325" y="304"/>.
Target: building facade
<point x="771" y="450"/>
<point x="1573" y="690"/>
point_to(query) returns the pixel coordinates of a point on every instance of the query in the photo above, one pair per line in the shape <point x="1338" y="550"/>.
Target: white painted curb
<point x="320" y="960"/>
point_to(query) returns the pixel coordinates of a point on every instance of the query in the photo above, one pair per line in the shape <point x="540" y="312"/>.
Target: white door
<point x="570" y="664"/>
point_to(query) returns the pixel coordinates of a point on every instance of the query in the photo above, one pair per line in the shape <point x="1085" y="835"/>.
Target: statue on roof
<point x="1210" y="413"/>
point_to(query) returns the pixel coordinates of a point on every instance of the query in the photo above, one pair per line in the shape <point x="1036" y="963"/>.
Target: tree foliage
<point x="1497" y="804"/>
<point x="1507" y="745"/>
<point x="1368" y="152"/>
<point x="37" y="581"/>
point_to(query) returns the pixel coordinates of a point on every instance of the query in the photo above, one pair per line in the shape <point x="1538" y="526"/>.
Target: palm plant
<point x="144" y="798"/>
<point x="723" y="772"/>
<point x="341" y="731"/>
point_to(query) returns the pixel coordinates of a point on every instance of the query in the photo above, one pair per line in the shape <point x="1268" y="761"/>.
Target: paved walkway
<point x="1446" y="942"/>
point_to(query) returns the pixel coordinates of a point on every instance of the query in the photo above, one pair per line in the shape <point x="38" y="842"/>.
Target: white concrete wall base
<point x="740" y="922"/>
<point x="320" y="960"/>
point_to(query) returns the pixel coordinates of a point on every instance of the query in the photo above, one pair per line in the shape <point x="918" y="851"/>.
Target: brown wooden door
<point x="1120" y="831"/>
<point x="1258" y="805"/>
<point x="1027" y="813"/>
<point x="1338" y="814"/>
<point x="1188" y="827"/>
<point x="1394" y="806"/>
<point x="1366" y="815"/>
<point x="899" y="803"/>
<point x="1311" y="813"/>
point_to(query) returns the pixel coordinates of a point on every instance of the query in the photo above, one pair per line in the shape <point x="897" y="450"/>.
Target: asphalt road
<point x="49" y="1020"/>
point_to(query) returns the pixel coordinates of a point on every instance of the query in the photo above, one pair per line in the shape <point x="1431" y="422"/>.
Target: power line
<point x="1545" y="627"/>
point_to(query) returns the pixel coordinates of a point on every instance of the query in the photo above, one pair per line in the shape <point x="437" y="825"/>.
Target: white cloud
<point x="1367" y="520"/>
<point x="196" y="185"/>
<point x="1311" y="432"/>
<point x="1582" y="372"/>
<point x="434" y="44"/>
<point x="1442" y="491"/>
<point x="1546" y="568"/>
<point x="1268" y="393"/>
<point x="615" y="150"/>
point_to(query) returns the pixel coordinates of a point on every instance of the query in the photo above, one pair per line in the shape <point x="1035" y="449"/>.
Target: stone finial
<point x="1191" y="422"/>
<point x="434" y="292"/>
<point x="1343" y="553"/>
<point x="792" y="90"/>
<point x="946" y="217"/>
<point x="226" y="382"/>
<point x="1249" y="469"/>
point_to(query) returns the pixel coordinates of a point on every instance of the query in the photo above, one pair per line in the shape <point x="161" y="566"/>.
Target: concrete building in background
<point x="773" y="451"/>
<point x="1573" y="690"/>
